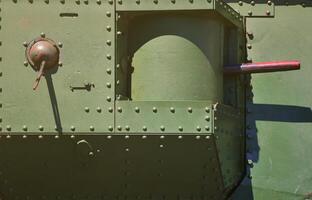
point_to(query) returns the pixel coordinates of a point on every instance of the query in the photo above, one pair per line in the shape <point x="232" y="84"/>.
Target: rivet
<point x="207" y="128"/>
<point x="109" y="71"/>
<point x="249" y="46"/>
<point x="119" y="109"/>
<point x="252" y="3"/>
<point x="25" y="63"/>
<point x="144" y="128"/>
<point x="41" y="128"/>
<point x="108" y="56"/>
<point x="137" y="1"/>
<point x="60" y="64"/>
<point x="198" y="128"/>
<point x="162" y="128"/>
<point x="207" y="137"/>
<point x="161" y="146"/>
<point x="162" y="137"/>
<point x="91" y="128"/>
<point x="72" y="136"/>
<point x="119" y="33"/>
<point x="109" y="85"/>
<point x="25" y="44"/>
<point x="108" y="28"/>
<point x="108" y="42"/>
<point x="40" y="136"/>
<point x="180" y="137"/>
<point x="42" y="35"/>
<point x="127" y="137"/>
<point x="269" y="3"/>
<point x="207" y="118"/>
<point x="197" y="137"/>
<point x="127" y="128"/>
<point x="31" y="1"/>
<point x="173" y="1"/>
<point x="118" y="66"/>
<point x="240" y="3"/>
<point x="137" y="109"/>
<point x="155" y="1"/>
<point x="24" y="128"/>
<point x="62" y="1"/>
<point x="268" y="12"/>
<point x="8" y="136"/>
<point x="60" y="44"/>
<point x="127" y="149"/>
<point x="109" y="137"/>
<point x="1" y="74"/>
<point x="108" y="98"/>
<point x="91" y="153"/>
<point x="144" y="136"/>
<point x="24" y="136"/>
<point x="249" y="13"/>
<point x="77" y="1"/>
<point x="72" y="128"/>
<point x="86" y="1"/>
<point x="207" y="109"/>
<point x="120" y="1"/>
<point x="190" y="110"/>
<point x="98" y="2"/>
<point x="110" y="128"/>
<point x="110" y="1"/>
<point x="180" y="128"/>
<point x="154" y="109"/>
<point x="110" y="109"/>
<point x="119" y="128"/>
<point x="191" y="1"/>
<point x="98" y="109"/>
<point x="87" y="109"/>
<point x="56" y="137"/>
<point x="172" y="109"/>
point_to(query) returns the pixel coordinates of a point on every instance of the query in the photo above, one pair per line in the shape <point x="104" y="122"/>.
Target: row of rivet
<point x="157" y="1"/>
<point x="108" y="137"/>
<point x="230" y="10"/>
<point x="253" y="4"/>
<point x="171" y="109"/>
<point x="64" y="1"/>
<point x="163" y="128"/>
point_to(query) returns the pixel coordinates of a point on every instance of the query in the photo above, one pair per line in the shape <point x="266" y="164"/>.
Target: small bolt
<point x="108" y="98"/>
<point x="180" y="128"/>
<point x="108" y="42"/>
<point x="40" y="136"/>
<point x="110" y="1"/>
<point x="137" y="109"/>
<point x="119" y="33"/>
<point x="109" y="137"/>
<point x="41" y="128"/>
<point x="87" y="109"/>
<point x="110" y="128"/>
<point x="161" y="146"/>
<point x="155" y="1"/>
<point x="144" y="136"/>
<point x="72" y="136"/>
<point x="86" y="1"/>
<point x="240" y="3"/>
<point x="137" y="1"/>
<point x="25" y="63"/>
<point x="197" y="137"/>
<point x="42" y="35"/>
<point x="91" y="153"/>
<point x="127" y="149"/>
<point x="25" y="44"/>
<point x="8" y="136"/>
<point x="172" y="109"/>
<point x="109" y="85"/>
<point x="162" y="128"/>
<point x="180" y="137"/>
<point x="98" y="2"/>
<point x="207" y="118"/>
<point x="249" y="46"/>
<point x="249" y="13"/>
<point x="56" y="137"/>
<point x="91" y="128"/>
<point x="207" y="109"/>
<point x="162" y="137"/>
<point x="154" y="109"/>
<point x="108" y="56"/>
<point x="108" y="28"/>
<point x="24" y="136"/>
<point x="110" y="109"/>
<point x="60" y="64"/>
<point x="190" y="110"/>
<point x="46" y="1"/>
<point x="268" y="12"/>
<point x="119" y="128"/>
<point x="173" y="1"/>
<point x="127" y="128"/>
<point x="109" y="71"/>
<point x="72" y="128"/>
<point x="269" y="3"/>
<point x="198" y="128"/>
<point x="60" y="44"/>
<point x="77" y="1"/>
<point x="98" y="109"/>
<point x="24" y="128"/>
<point x="144" y="128"/>
<point x="207" y="128"/>
<point x="119" y="109"/>
<point x="127" y="137"/>
<point x="252" y="3"/>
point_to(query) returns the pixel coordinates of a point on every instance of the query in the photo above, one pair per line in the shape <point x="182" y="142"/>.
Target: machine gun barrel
<point x="262" y="67"/>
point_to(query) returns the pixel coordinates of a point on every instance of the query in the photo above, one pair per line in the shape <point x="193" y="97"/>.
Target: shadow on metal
<point x="54" y="104"/>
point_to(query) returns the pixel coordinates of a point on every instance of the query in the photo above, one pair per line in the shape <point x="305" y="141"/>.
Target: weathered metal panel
<point x="279" y="108"/>
<point x="87" y="55"/>
<point x="175" y="117"/>
<point x="117" y="167"/>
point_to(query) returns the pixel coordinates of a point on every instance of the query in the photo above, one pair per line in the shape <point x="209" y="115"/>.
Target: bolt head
<point x="127" y="128"/>
<point x="42" y="35"/>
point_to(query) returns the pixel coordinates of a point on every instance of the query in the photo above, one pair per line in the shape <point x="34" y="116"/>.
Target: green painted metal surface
<point x="155" y="133"/>
<point x="280" y="111"/>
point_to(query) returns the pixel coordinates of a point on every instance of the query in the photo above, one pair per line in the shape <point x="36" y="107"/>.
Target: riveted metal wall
<point x="62" y="103"/>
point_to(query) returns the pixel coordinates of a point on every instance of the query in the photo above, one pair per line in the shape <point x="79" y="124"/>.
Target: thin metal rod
<point x="39" y="75"/>
<point x="262" y="67"/>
